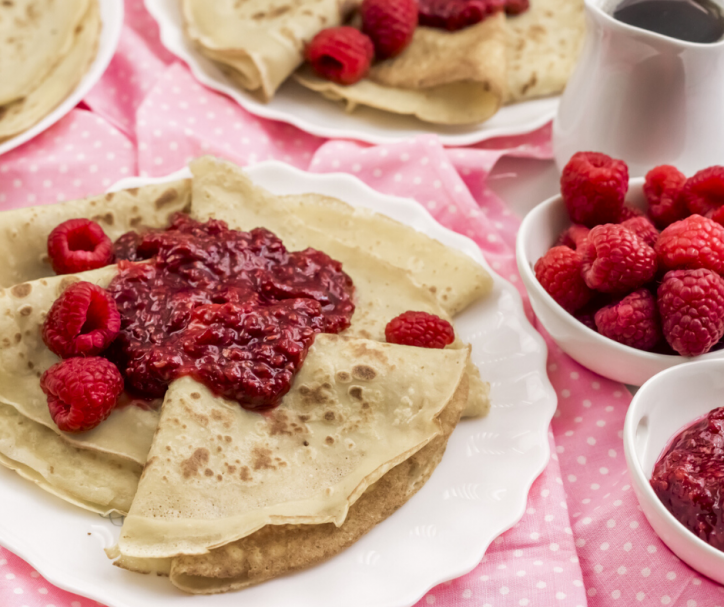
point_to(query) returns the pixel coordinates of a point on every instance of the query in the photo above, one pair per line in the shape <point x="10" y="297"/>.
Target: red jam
<point x="234" y="310"/>
<point x="689" y="478"/>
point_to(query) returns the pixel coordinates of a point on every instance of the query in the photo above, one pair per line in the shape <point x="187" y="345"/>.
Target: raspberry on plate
<point x="340" y="54"/>
<point x="615" y="260"/>
<point x="643" y="228"/>
<point x="559" y="273"/>
<point x="81" y="392"/>
<point x="83" y="321"/>
<point x="516" y="7"/>
<point x="573" y="236"/>
<point x="78" y="245"/>
<point x="662" y="188"/>
<point x="419" y="329"/>
<point x="593" y="187"/>
<point x="694" y="242"/>
<point x="691" y="304"/>
<point x="390" y="24"/>
<point x="454" y="15"/>
<point x="703" y="192"/>
<point x="633" y="321"/>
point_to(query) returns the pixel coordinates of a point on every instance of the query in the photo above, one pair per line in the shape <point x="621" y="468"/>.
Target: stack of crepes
<point x="442" y="77"/>
<point x="219" y="497"/>
<point x="46" y="46"/>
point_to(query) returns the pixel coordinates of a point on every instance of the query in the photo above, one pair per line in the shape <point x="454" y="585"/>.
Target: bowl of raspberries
<point x="626" y="275"/>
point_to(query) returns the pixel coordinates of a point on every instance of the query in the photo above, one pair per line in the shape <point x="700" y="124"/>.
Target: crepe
<point x="86" y="478"/>
<point x="543" y="45"/>
<point x="441" y="77"/>
<point x="261" y="40"/>
<point x="24" y="232"/>
<point x="438" y="277"/>
<point x="19" y="115"/>
<point x="34" y="36"/>
<point x="217" y="473"/>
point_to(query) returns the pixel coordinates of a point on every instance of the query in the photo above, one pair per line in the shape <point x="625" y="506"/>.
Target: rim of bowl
<point x="525" y="266"/>
<point x="634" y="464"/>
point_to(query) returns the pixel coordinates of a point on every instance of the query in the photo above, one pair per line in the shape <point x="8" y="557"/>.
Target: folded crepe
<point x="24" y="232"/>
<point x="262" y="41"/>
<point x="445" y="280"/>
<point x="219" y="476"/>
<point x="543" y="45"/>
<point x="441" y="77"/>
<point x="22" y="113"/>
<point x="34" y="36"/>
<point x="464" y="77"/>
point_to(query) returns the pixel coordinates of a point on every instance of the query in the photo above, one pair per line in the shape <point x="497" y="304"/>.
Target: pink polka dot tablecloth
<point x="583" y="539"/>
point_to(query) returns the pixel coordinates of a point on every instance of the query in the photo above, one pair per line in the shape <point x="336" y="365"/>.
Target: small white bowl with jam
<point x="674" y="445"/>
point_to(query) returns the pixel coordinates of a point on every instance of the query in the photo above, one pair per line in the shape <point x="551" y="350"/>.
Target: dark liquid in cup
<point x="688" y="20"/>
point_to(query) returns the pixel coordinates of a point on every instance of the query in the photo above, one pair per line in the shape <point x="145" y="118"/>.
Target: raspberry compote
<point x="234" y="310"/>
<point x="689" y="478"/>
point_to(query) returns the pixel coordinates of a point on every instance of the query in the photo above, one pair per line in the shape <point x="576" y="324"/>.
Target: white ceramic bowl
<point x="665" y="405"/>
<point x="538" y="233"/>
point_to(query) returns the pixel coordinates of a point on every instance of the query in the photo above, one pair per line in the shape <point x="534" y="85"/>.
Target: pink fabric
<point x="583" y="540"/>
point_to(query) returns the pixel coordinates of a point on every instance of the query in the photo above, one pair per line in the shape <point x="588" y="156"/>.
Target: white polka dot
<point x="621" y="570"/>
<point x="633" y="525"/>
<point x="616" y="594"/>
<point x="430" y="599"/>
<point x="696" y="582"/>
<point x="646" y="572"/>
<point x="18" y="591"/>
<point x="595" y="385"/>
<point x="554" y="547"/>
<point x="572" y="478"/>
<point x="520" y="573"/>
<point x="600" y="423"/>
<point x="565" y="393"/>
<point x="467" y="593"/>
<point x="595" y="486"/>
<point x="43" y="590"/>
<point x="9" y="576"/>
<point x="651" y="549"/>
<point x="377" y="172"/>
<point x="534" y="535"/>
<point x="560" y="596"/>
<point x="640" y="596"/>
<point x="671" y="575"/>
<point x="627" y="546"/>
<point x="591" y="441"/>
<point x="598" y="568"/>
<point x="610" y="523"/>
<point x="523" y="602"/>
<point x="604" y="546"/>
<point x="504" y="590"/>
<point x="586" y="521"/>
<point x="581" y="459"/>
<point x="540" y="584"/>
<point x="592" y="592"/>
<point x="603" y="470"/>
<point x="580" y="542"/>
<point x="665" y="600"/>
<point x="587" y="403"/>
<point x="691" y="603"/>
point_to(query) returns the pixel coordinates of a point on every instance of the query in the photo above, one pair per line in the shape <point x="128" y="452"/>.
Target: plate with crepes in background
<point x="60" y="69"/>
<point x="479" y="490"/>
<point x="540" y="51"/>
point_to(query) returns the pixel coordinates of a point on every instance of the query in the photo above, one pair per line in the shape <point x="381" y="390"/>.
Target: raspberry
<point x="628" y="212"/>
<point x="703" y="192"/>
<point x="559" y="273"/>
<point x="593" y="187"/>
<point x="81" y="392"/>
<point x="390" y="24"/>
<point x="340" y="54"/>
<point x="83" y="321"/>
<point x="454" y="15"/>
<point x="516" y="7"/>
<point x="419" y="329"/>
<point x="615" y="260"/>
<point x="643" y="228"/>
<point x="691" y="304"/>
<point x="662" y="189"/>
<point x="573" y="236"/>
<point x="78" y="245"/>
<point x="718" y="216"/>
<point x="694" y="242"/>
<point x="633" y="321"/>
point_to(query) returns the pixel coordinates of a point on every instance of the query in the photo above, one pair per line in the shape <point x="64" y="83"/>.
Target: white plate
<point x="478" y="491"/>
<point x="314" y="114"/>
<point x="112" y="18"/>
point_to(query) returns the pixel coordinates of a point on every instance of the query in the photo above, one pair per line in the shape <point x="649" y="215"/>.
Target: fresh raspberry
<point x="633" y="321"/>
<point x="628" y="212"/>
<point x="516" y="7"/>
<point x="662" y="189"/>
<point x="718" y="216"/>
<point x="390" y="24"/>
<point x="691" y="304"/>
<point x="83" y="321"/>
<point x="559" y="273"/>
<point x="573" y="236"/>
<point x="81" y="392"/>
<point x="703" y="192"/>
<point x="694" y="242"/>
<point x="454" y="15"/>
<point x="78" y="245"/>
<point x="643" y="228"/>
<point x="593" y="187"/>
<point x="419" y="329"/>
<point x="340" y="54"/>
<point x="615" y="260"/>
